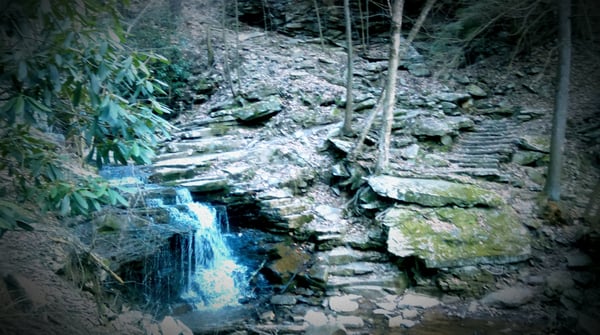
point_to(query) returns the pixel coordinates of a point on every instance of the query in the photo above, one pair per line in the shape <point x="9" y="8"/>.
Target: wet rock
<point x="399" y="321"/>
<point x="450" y="237"/>
<point x="203" y="185"/>
<point x="511" y="297"/>
<point x="345" y="303"/>
<point x="344" y="255"/>
<point x="172" y="326"/>
<point x="328" y="329"/>
<point x="350" y="321"/>
<point x="315" y="318"/>
<point x="433" y="192"/>
<point x="410" y="314"/>
<point x="283" y="299"/>
<point x="417" y="300"/>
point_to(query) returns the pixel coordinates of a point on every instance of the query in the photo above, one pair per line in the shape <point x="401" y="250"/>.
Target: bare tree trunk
<point x="226" y="59"/>
<point x="363" y="40"/>
<point x="561" y="104"/>
<point x="417" y="26"/>
<point x="322" y="40"/>
<point x="371" y="118"/>
<point x="390" y="96"/>
<point x="347" y="127"/>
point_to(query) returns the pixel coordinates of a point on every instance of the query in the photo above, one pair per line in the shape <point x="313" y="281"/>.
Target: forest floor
<point x="57" y="304"/>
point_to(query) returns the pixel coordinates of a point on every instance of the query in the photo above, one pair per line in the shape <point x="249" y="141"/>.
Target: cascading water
<point x="212" y="279"/>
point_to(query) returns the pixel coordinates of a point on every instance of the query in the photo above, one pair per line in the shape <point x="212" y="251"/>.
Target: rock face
<point x="451" y="237"/>
<point x="432" y="192"/>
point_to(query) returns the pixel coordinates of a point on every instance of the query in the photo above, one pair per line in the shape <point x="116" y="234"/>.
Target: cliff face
<point x="304" y="17"/>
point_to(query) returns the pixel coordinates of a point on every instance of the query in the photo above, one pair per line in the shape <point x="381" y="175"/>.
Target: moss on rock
<point x="450" y="237"/>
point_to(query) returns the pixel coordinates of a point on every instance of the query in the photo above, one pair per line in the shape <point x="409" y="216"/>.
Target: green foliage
<point x="175" y="74"/>
<point x="65" y="69"/>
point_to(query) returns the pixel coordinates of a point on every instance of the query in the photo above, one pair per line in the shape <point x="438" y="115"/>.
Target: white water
<point x="212" y="278"/>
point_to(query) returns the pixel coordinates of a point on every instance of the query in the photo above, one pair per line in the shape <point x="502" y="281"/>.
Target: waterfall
<point x="211" y="277"/>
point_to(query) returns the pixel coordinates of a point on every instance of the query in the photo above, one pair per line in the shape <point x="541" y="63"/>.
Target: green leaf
<point x="121" y="200"/>
<point x="65" y="205"/>
<point x="95" y="204"/>
<point x="80" y="200"/>
<point x="22" y="72"/>
<point x="112" y="196"/>
<point x="135" y="149"/>
<point x="19" y="106"/>
<point x="55" y="78"/>
<point x="38" y="105"/>
<point x="88" y="194"/>
<point x="77" y="95"/>
<point x="95" y="84"/>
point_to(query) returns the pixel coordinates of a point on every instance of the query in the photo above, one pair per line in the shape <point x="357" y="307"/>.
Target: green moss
<point x="446" y="237"/>
<point x="472" y="195"/>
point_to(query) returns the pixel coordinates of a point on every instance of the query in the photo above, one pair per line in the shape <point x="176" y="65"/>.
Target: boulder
<point x="476" y="91"/>
<point x="535" y="143"/>
<point x="451" y="237"/>
<point x="433" y="192"/>
<point x="258" y="111"/>
<point x="453" y="97"/>
<point x="511" y="297"/>
<point x="430" y="126"/>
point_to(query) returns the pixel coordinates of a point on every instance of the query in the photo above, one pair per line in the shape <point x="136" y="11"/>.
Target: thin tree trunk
<point x="390" y="96"/>
<point x="416" y="27"/>
<point x="347" y="127"/>
<point x="371" y="118"/>
<point x="561" y="105"/>
<point x="322" y="40"/>
<point x="363" y="40"/>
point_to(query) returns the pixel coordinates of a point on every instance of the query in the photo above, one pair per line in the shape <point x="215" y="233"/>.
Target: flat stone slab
<point x="418" y="300"/>
<point x="433" y="192"/>
<point x="450" y="237"/>
<point x="511" y="297"/>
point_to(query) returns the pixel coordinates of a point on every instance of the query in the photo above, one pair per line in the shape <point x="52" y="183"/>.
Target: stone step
<point x="469" y="141"/>
<point x="482" y="165"/>
<point x="489" y="150"/>
<point x="488" y="173"/>
<point x="394" y="280"/>
<point x="488" y="136"/>
<point x="344" y="255"/>
<point x="485" y="158"/>
<point x="281" y="207"/>
<point x="200" y="159"/>
<point x="293" y="222"/>
<point x="207" y="145"/>
<point x="202" y="132"/>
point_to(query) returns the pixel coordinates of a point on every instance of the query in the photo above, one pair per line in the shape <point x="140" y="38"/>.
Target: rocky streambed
<point x="451" y="239"/>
